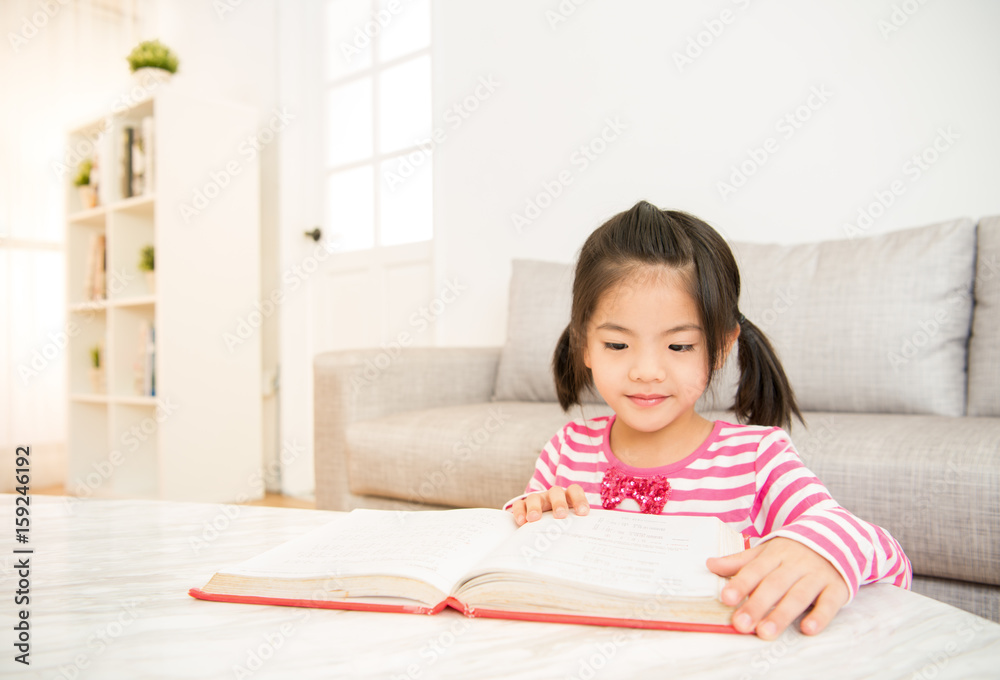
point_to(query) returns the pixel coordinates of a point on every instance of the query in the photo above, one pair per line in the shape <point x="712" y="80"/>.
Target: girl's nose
<point x="648" y="367"/>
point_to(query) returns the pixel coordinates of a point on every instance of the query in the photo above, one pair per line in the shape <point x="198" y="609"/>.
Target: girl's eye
<point x="617" y="346"/>
<point x="681" y="348"/>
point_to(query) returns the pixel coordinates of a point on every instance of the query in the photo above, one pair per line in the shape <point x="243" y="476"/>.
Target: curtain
<point x="63" y="63"/>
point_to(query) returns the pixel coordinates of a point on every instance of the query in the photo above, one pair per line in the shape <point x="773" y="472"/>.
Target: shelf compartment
<point x="88" y="330"/>
<point x="80" y="257"/>
<point x="90" y="142"/>
<point x="129" y="232"/>
<point x="126" y="361"/>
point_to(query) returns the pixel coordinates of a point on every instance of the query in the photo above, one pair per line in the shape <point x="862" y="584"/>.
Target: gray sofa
<point x="891" y="342"/>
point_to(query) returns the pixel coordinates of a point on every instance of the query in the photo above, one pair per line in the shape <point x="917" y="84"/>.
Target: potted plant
<point x="88" y="192"/>
<point x="147" y="264"/>
<point x="96" y="370"/>
<point x="152" y="62"/>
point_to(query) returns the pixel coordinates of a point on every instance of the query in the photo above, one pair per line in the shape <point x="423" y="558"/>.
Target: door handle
<point x="315" y="234"/>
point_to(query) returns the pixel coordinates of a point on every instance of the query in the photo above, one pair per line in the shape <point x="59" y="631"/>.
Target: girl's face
<point x="646" y="350"/>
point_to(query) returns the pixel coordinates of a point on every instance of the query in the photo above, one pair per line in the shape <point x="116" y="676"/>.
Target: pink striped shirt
<point x="748" y="476"/>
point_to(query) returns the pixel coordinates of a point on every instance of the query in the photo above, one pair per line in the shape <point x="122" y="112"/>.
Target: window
<point x="377" y="122"/>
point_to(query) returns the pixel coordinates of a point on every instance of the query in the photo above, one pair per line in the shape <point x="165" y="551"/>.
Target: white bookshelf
<point x="199" y="437"/>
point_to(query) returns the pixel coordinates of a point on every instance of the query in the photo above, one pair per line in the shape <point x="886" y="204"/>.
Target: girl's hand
<point x="786" y="575"/>
<point x="556" y="499"/>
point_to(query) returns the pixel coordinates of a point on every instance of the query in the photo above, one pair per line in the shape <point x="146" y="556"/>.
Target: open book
<point x="605" y="568"/>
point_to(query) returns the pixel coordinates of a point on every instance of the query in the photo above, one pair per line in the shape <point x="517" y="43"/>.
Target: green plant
<point x="146" y="261"/>
<point x="152" y="54"/>
<point x="82" y="178"/>
<point x="95" y="356"/>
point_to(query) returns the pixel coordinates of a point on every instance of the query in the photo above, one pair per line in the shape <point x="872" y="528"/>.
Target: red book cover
<point x="605" y="569"/>
<point x="469" y="612"/>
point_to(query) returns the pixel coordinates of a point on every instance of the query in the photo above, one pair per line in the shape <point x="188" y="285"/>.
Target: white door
<point x="355" y="164"/>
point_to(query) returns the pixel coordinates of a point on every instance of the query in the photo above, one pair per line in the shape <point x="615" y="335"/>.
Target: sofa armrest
<point x="355" y="385"/>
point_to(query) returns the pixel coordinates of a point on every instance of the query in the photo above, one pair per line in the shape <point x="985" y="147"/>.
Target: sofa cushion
<point x="479" y="455"/>
<point x="878" y="324"/>
<point x="982" y="600"/>
<point x="541" y="294"/>
<point x="984" y="346"/>
<point x="933" y="482"/>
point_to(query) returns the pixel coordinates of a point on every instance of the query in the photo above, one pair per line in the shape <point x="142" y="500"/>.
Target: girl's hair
<point x="647" y="236"/>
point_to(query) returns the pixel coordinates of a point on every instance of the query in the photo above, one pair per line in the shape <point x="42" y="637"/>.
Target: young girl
<point x="654" y="315"/>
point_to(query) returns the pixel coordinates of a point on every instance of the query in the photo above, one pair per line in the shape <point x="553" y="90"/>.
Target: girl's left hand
<point x="786" y="575"/>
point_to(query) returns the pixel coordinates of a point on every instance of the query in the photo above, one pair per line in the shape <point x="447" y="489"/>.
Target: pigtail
<point x="764" y="395"/>
<point x="566" y="373"/>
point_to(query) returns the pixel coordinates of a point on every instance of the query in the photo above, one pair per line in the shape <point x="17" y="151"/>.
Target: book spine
<point x="128" y="135"/>
<point x="138" y="163"/>
<point x="88" y="274"/>
<point x="151" y="362"/>
<point x="94" y="281"/>
<point x="139" y="365"/>
<point x="149" y="147"/>
<point x="102" y="274"/>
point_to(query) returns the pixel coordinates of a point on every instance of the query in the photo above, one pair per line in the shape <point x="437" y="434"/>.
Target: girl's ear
<point x="730" y="343"/>
<point x="586" y="356"/>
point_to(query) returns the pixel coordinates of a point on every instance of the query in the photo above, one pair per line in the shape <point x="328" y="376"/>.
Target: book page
<point x="661" y="555"/>
<point x="436" y="547"/>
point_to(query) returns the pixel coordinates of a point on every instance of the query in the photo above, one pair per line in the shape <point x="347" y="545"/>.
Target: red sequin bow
<point x="649" y="492"/>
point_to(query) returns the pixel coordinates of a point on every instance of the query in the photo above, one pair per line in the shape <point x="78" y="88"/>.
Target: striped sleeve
<point x="544" y="476"/>
<point x="791" y="502"/>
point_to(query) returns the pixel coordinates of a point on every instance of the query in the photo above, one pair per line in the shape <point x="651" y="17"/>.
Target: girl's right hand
<point x="556" y="499"/>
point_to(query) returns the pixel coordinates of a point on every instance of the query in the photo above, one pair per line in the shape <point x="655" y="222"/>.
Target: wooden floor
<point x="276" y="500"/>
<point x="272" y="500"/>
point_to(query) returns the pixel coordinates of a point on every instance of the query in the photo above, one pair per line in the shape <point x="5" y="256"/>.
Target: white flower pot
<point x="88" y="196"/>
<point x="150" y="282"/>
<point x="97" y="380"/>
<point x="150" y="78"/>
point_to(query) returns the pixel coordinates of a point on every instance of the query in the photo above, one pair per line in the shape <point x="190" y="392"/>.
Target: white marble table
<point x="109" y="582"/>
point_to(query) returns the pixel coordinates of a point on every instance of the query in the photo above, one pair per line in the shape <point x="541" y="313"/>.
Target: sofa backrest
<point x="870" y="325"/>
<point x="878" y="324"/>
<point x="984" y="346"/>
<point x="541" y="294"/>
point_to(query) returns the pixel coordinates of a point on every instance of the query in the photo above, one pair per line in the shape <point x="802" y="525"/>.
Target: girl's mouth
<point x="646" y="400"/>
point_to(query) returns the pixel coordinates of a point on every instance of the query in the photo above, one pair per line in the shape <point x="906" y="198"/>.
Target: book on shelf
<point x="605" y="568"/>
<point x="148" y="151"/>
<point x="95" y="273"/>
<point x="128" y="141"/>
<point x="138" y="164"/>
<point x="137" y="149"/>
<point x="88" y="271"/>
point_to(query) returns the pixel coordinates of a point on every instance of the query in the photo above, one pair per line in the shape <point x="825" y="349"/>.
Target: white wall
<point x="890" y="93"/>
